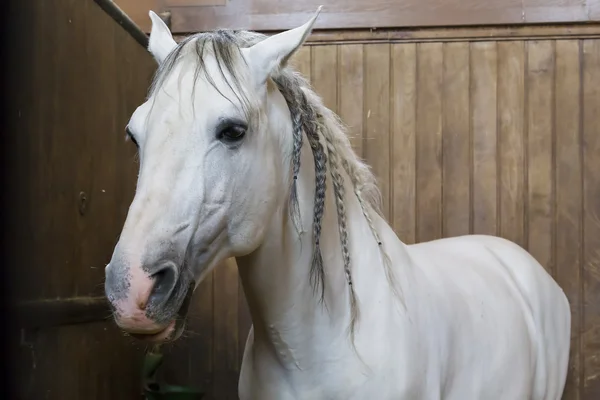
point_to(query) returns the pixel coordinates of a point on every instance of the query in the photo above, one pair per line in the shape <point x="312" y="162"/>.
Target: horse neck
<point x="286" y="310"/>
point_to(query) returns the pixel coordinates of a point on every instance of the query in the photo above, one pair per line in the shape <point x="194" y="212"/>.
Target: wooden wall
<point x="485" y="136"/>
<point x="272" y="15"/>
<point x="74" y="77"/>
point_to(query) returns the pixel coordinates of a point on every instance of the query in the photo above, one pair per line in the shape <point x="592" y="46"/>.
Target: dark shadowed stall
<point x="75" y="76"/>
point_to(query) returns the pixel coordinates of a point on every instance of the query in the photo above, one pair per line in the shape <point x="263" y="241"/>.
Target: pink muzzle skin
<point x="130" y="311"/>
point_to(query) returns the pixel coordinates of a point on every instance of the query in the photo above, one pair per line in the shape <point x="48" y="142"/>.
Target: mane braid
<point x="320" y="159"/>
<point x="298" y="129"/>
<point x="389" y="273"/>
<point x="338" y="189"/>
<point x="304" y="119"/>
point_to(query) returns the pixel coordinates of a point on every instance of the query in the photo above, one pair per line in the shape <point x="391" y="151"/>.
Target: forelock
<point x="224" y="45"/>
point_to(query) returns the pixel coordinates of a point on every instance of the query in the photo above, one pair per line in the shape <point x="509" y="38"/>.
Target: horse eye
<point x="232" y="133"/>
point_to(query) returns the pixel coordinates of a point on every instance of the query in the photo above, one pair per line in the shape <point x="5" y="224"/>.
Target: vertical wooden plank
<point x="455" y="142"/>
<point x="301" y="61"/>
<point x="350" y="99"/>
<point x="377" y="117"/>
<point x="403" y="136"/>
<point x="93" y="232"/>
<point x="429" y="141"/>
<point x="511" y="140"/>
<point x="569" y="185"/>
<point x="190" y="360"/>
<point x="484" y="75"/>
<point x="54" y="158"/>
<point x="21" y="116"/>
<point x="540" y="77"/>
<point x="324" y="63"/>
<point x="244" y="321"/>
<point x="590" y="347"/>
<point x="225" y="335"/>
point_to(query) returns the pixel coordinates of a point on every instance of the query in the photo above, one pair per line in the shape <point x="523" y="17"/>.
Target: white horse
<point x="239" y="158"/>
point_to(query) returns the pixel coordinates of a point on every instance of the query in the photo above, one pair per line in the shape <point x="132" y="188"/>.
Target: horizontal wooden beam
<point x="271" y="15"/>
<point x="484" y="33"/>
<point x="49" y="313"/>
<point x="579" y="31"/>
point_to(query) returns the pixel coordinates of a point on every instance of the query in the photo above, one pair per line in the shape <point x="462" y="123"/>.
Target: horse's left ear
<point x="276" y="50"/>
<point x="161" y="42"/>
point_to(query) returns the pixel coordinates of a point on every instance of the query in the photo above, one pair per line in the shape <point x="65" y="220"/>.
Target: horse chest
<point x="282" y="375"/>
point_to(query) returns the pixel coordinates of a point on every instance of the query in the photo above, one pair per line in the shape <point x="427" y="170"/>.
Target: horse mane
<point x="324" y="131"/>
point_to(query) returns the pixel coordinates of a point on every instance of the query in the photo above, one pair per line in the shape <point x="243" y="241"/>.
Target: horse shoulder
<point x="492" y="289"/>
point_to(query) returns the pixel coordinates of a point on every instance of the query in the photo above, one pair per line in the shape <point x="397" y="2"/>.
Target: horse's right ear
<point x="275" y="51"/>
<point x="161" y="42"/>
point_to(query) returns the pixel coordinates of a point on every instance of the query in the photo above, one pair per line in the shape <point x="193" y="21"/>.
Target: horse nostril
<point x="164" y="282"/>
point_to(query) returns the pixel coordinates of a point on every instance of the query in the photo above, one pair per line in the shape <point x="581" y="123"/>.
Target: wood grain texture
<point x="569" y="187"/>
<point x="71" y="176"/>
<point x="193" y="3"/>
<point x="191" y="361"/>
<point x="138" y="11"/>
<point x="52" y="313"/>
<point x="76" y="174"/>
<point x="244" y="320"/>
<point x="323" y="71"/>
<point x="377" y="117"/>
<point x="225" y="358"/>
<point x="484" y="62"/>
<point x="92" y="361"/>
<point x="487" y="33"/>
<point x="540" y="151"/>
<point x="124" y="20"/>
<point x="350" y="93"/>
<point x="511" y="140"/>
<point x="556" y="10"/>
<point x="267" y="15"/>
<point x="301" y="61"/>
<point x="429" y="141"/>
<point x="403" y="115"/>
<point x="590" y="331"/>
<point x="456" y="202"/>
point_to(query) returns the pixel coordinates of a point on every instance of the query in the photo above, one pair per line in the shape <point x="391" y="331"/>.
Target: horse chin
<point x="174" y="329"/>
<point x="169" y="333"/>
